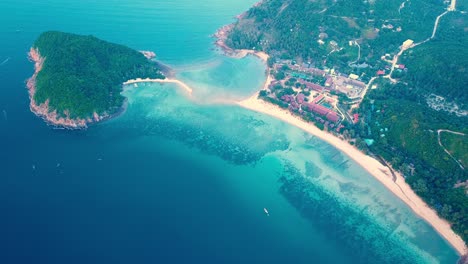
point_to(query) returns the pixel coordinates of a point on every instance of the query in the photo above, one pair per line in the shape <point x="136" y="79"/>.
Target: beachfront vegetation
<point x="396" y="118"/>
<point x="405" y="132"/>
<point x="321" y="31"/>
<point x="404" y="127"/>
<point x="83" y="74"/>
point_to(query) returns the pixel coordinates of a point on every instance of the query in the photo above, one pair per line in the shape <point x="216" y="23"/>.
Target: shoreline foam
<point x="382" y="173"/>
<point x="221" y="36"/>
<point x="43" y="110"/>
<point x="54" y="119"/>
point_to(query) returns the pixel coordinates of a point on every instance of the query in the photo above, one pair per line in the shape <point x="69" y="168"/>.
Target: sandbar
<point x="187" y="88"/>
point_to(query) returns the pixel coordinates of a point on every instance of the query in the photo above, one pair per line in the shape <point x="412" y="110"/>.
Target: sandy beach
<point x="382" y="173"/>
<point x="187" y="88"/>
<point x="221" y="36"/>
<point x="58" y="121"/>
<point x="259" y="54"/>
<point x="400" y="188"/>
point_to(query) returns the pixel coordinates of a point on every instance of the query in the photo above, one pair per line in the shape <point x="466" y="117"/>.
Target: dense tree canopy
<point x="396" y="117"/>
<point x="440" y="66"/>
<point x="311" y="30"/>
<point x="83" y="74"/>
<point x="405" y="134"/>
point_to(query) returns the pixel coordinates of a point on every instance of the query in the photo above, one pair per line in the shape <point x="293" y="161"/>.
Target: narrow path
<point x="394" y="176"/>
<point x="344" y="114"/>
<point x="403" y="49"/>
<point x="395" y="61"/>
<point x="436" y="24"/>
<point x="442" y="146"/>
<point x="359" y="53"/>
<point x="434" y="31"/>
<point x="364" y="92"/>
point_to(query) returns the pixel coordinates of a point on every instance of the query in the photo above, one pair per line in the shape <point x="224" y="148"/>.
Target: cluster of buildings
<point x="313" y="89"/>
<point x="323" y="114"/>
<point x="329" y="114"/>
<point x="350" y="85"/>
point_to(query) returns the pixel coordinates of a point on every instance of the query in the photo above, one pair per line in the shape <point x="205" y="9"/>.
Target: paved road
<point x="403" y="49"/>
<point x="434" y="31"/>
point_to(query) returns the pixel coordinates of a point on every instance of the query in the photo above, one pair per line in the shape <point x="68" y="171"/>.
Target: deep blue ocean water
<point x="175" y="180"/>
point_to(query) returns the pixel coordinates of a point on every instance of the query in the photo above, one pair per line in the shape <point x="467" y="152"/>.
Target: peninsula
<point x="345" y="72"/>
<point x="78" y="79"/>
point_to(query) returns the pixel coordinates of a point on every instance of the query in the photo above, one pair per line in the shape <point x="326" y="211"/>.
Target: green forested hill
<point x="83" y="74"/>
<point x="293" y="28"/>
<point x="440" y="66"/>
<point x="405" y="132"/>
<point x="395" y="115"/>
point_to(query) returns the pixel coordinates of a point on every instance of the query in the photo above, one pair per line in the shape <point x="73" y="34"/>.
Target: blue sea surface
<point x="177" y="179"/>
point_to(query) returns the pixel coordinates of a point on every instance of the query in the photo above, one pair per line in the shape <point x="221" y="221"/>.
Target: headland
<point x="43" y="110"/>
<point x="78" y="79"/>
<point x="391" y="179"/>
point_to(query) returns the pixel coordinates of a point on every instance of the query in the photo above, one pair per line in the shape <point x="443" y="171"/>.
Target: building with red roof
<point x="355" y="118"/>
<point x="318" y="99"/>
<point x="300" y="98"/>
<point x="333" y="117"/>
<point x="315" y="87"/>
<point x="308" y="106"/>
<point x="321" y="110"/>
<point x="329" y="114"/>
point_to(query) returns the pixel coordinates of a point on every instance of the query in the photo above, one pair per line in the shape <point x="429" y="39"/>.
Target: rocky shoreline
<point x="43" y="110"/>
<point x="221" y="36"/>
<point x="148" y="54"/>
<point x="399" y="187"/>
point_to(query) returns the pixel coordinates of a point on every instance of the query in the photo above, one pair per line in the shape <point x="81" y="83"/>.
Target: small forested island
<point x="387" y="76"/>
<point x="78" y="79"/>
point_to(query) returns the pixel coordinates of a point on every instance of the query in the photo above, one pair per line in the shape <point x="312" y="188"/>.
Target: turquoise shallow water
<point x="180" y="181"/>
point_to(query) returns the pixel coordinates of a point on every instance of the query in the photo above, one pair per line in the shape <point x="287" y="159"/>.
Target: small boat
<point x="266" y="211"/>
<point x="5" y="61"/>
